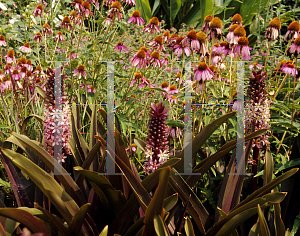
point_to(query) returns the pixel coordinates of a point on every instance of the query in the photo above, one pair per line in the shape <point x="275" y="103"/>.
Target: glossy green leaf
<point x="192" y="17"/>
<point x="78" y="219"/>
<point x="35" y="224"/>
<point x="40" y="91"/>
<point x="46" y="183"/>
<point x="188" y="227"/>
<point x="171" y="162"/>
<point x="39" y="118"/>
<point x="264" y="229"/>
<point x="170" y="202"/>
<point x="104" y="231"/>
<point x="206" y="8"/>
<point x="136" y="227"/>
<point x="268" y="167"/>
<point x="254" y="230"/>
<point x="174" y="8"/>
<point x="278" y="222"/>
<point x="159" y="226"/>
<point x="140" y="143"/>
<point x="144" y="8"/>
<point x="156" y="203"/>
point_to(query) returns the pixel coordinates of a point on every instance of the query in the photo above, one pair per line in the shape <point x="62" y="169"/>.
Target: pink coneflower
<point x="256" y="65"/>
<point x="73" y="15"/>
<point x="136" y="17"/>
<point x="230" y="34"/>
<point x="115" y="11"/>
<point x="130" y="2"/>
<point x="81" y="71"/>
<point x="164" y="86"/>
<point x="73" y="55"/>
<point x="23" y="71"/>
<point x="25" y="48"/>
<point x="148" y="52"/>
<point x="47" y="30"/>
<point x="2" y="41"/>
<point x="207" y="20"/>
<point x="166" y="36"/>
<point x="59" y="37"/>
<point x="157" y="43"/>
<point x="107" y="21"/>
<point x="173" y="99"/>
<point x="295" y="47"/>
<point x="174" y="132"/>
<point x="10" y="57"/>
<point x="28" y="65"/>
<point x="191" y="41"/>
<point x="165" y="61"/>
<point x="66" y="23"/>
<point x="77" y="4"/>
<point x="293" y="31"/>
<point x="152" y="26"/>
<point x="202" y="72"/>
<point x="86" y="11"/>
<point x="237" y="19"/>
<point x="154" y="59"/>
<point x="109" y="2"/>
<point x="179" y="47"/>
<point x="172" y="41"/>
<point x="5" y="84"/>
<point x="16" y="75"/>
<point x="237" y="33"/>
<point x="138" y="78"/>
<point x="8" y="69"/>
<point x="215" y="26"/>
<point x="120" y="46"/>
<point x="216" y="58"/>
<point x="217" y="49"/>
<point x="95" y="2"/>
<point x="273" y="29"/>
<point x="289" y="68"/>
<point x="226" y="48"/>
<point x="38" y="37"/>
<point x="172" y="89"/>
<point x="139" y="59"/>
<point x="244" y="42"/>
<point x="201" y="37"/>
<point x="38" y="10"/>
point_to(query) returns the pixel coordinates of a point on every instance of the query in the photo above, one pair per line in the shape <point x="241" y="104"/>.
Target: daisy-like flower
<point x="66" y="23"/>
<point x="173" y="99"/>
<point x="273" y="29"/>
<point x="166" y="36"/>
<point x="237" y="19"/>
<point x="73" y="55"/>
<point x="38" y="10"/>
<point x="73" y="15"/>
<point x="295" y="47"/>
<point x="217" y="48"/>
<point x="10" y="57"/>
<point x="244" y="42"/>
<point x="191" y="40"/>
<point x="120" y="46"/>
<point x="38" y="37"/>
<point x="138" y="77"/>
<point x="165" y="61"/>
<point x="237" y="33"/>
<point x="130" y="2"/>
<point x="216" y="58"/>
<point x="28" y="65"/>
<point x="2" y="41"/>
<point x="59" y="37"/>
<point x="23" y="71"/>
<point x="172" y="41"/>
<point x="25" y="48"/>
<point x="95" y="2"/>
<point x="154" y="59"/>
<point x="157" y="43"/>
<point x="201" y="37"/>
<point x="172" y="89"/>
<point x="293" y="31"/>
<point x="136" y="17"/>
<point x="255" y="65"/>
<point x="5" y="84"/>
<point x="115" y="11"/>
<point x="8" y="69"/>
<point x="215" y="26"/>
<point x="16" y="75"/>
<point x="202" y="72"/>
<point x="152" y="26"/>
<point x="139" y="59"/>
<point x="289" y="68"/>
<point x="179" y="47"/>
<point x="230" y="34"/>
<point x="47" y="30"/>
<point x="164" y="86"/>
<point x="81" y="71"/>
<point x="207" y="20"/>
<point x="226" y="48"/>
<point x="77" y="4"/>
<point x="108" y="2"/>
<point x="86" y="9"/>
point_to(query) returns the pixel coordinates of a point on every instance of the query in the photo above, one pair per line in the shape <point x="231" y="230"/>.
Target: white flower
<point x="163" y="156"/>
<point x="3" y="7"/>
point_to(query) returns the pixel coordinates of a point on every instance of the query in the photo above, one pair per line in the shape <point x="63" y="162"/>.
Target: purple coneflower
<point x="157" y="148"/>
<point x="138" y="77"/>
<point x="237" y="33"/>
<point x="236" y="19"/>
<point x="207" y="20"/>
<point x="115" y="11"/>
<point x="152" y="26"/>
<point x="289" y="68"/>
<point x="81" y="71"/>
<point x="10" y="57"/>
<point x="86" y="9"/>
<point x="201" y="37"/>
<point x="139" y="59"/>
<point x="136" y="17"/>
<point x="95" y="2"/>
<point x="226" y="48"/>
<point x="23" y="71"/>
<point x="174" y="132"/>
<point x="293" y="31"/>
<point x="120" y="46"/>
<point x="38" y="37"/>
<point x="16" y="75"/>
<point x="2" y="41"/>
<point x="230" y="34"/>
<point x="5" y="84"/>
<point x="157" y="43"/>
<point x="25" y="48"/>
<point x="295" y="47"/>
<point x="47" y="30"/>
<point x="77" y="4"/>
<point x="273" y="29"/>
<point x="28" y="65"/>
<point x="216" y="58"/>
<point x="202" y="72"/>
<point x="165" y="61"/>
<point x="66" y="23"/>
<point x="172" y="89"/>
<point x="256" y="65"/>
<point x="191" y="41"/>
<point x="154" y="59"/>
<point x="242" y="44"/>
<point x="217" y="49"/>
<point x="179" y="47"/>
<point x="109" y="2"/>
<point x="59" y="37"/>
<point x="38" y="10"/>
<point x="166" y="36"/>
<point x="215" y="26"/>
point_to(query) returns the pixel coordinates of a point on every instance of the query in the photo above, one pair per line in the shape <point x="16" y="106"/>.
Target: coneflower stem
<point x="269" y="45"/>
